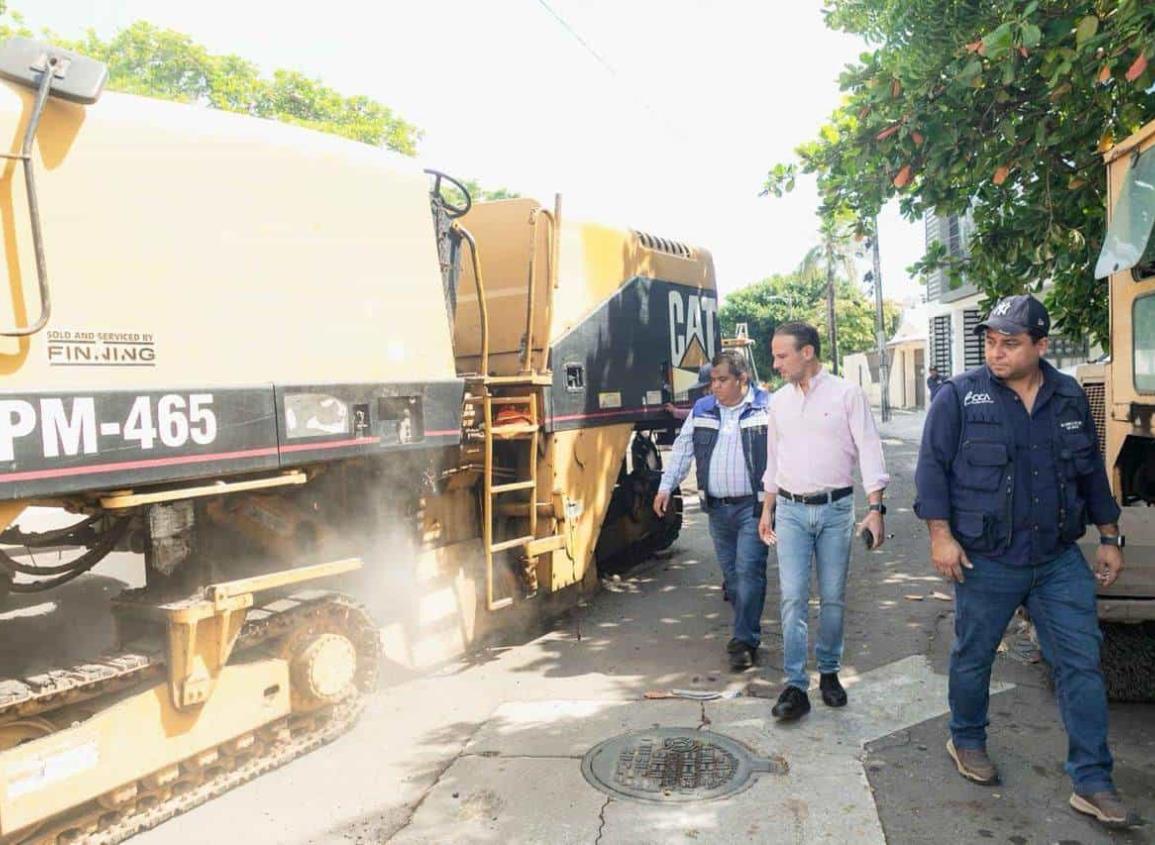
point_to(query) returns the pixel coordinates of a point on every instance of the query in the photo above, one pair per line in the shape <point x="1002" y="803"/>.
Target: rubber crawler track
<point x="238" y="760"/>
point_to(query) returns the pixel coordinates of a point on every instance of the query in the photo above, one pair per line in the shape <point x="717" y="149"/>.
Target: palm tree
<point x="835" y="251"/>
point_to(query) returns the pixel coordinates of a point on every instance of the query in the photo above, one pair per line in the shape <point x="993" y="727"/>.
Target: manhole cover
<point x="673" y="765"/>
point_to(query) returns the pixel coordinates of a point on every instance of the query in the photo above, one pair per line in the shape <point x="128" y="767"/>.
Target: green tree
<point x="146" y="60"/>
<point x="476" y="192"/>
<point x="764" y="305"/>
<point x="1003" y="107"/>
<point x="834" y="252"/>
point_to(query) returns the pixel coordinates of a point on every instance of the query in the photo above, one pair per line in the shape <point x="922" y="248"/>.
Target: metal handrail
<point x="34" y="205"/>
<point x="551" y="276"/>
<point x="483" y="367"/>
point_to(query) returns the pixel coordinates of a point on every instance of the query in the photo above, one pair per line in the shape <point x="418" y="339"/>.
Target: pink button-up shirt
<point x="815" y="438"/>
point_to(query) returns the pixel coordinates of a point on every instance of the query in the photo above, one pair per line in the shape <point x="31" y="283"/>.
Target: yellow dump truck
<point x="278" y="364"/>
<point x="1122" y="396"/>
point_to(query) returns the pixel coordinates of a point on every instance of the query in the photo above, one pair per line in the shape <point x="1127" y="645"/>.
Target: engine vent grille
<point x="1097" y="397"/>
<point x="664" y="245"/>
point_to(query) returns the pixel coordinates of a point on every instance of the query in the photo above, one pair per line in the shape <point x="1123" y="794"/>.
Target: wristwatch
<point x="877" y="506"/>
<point x="1112" y="540"/>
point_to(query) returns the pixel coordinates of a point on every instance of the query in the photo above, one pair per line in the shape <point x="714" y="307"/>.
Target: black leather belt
<point x="817" y="498"/>
<point x="729" y="500"/>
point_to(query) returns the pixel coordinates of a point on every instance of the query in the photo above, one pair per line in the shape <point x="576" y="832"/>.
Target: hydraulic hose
<point x="65" y="572"/>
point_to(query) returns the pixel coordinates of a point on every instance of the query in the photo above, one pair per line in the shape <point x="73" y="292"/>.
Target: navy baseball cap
<point x="1017" y="314"/>
<point x="705" y="375"/>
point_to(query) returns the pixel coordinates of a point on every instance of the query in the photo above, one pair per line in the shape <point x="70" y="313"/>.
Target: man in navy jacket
<point x="1008" y="477"/>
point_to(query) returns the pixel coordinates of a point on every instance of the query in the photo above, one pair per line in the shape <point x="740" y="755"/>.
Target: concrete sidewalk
<point x="519" y="779"/>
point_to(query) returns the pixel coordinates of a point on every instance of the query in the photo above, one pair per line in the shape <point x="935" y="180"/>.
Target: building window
<point x="972" y="343"/>
<point x="954" y="244"/>
<point x="952" y="231"/>
<point x="940" y="343"/>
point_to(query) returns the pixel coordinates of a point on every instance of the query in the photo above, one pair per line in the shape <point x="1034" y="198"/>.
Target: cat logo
<point x="693" y="335"/>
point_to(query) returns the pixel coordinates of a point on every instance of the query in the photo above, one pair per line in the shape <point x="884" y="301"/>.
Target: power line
<point x="577" y="37"/>
<point x="670" y="127"/>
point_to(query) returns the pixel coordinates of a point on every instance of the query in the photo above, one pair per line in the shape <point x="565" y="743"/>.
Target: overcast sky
<point x="661" y="115"/>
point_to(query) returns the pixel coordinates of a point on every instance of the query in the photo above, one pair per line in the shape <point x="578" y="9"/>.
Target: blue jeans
<point x="742" y="556"/>
<point x="1060" y="596"/>
<point x="822" y="533"/>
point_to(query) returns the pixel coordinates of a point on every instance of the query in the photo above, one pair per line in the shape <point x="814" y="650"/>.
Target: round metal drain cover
<point x="673" y="765"/>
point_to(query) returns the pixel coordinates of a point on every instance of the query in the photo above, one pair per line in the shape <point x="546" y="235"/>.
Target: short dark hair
<point x="804" y="334"/>
<point x="735" y="360"/>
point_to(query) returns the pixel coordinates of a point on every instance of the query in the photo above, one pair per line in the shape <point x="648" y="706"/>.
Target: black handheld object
<point x="868" y="538"/>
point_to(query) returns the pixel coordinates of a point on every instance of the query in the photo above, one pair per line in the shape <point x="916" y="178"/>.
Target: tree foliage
<point x="999" y="105"/>
<point x="476" y="192"/>
<point x="150" y="61"/>
<point x="836" y="249"/>
<point x="794" y="296"/>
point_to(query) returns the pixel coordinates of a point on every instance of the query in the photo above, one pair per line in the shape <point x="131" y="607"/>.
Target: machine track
<point x="137" y="806"/>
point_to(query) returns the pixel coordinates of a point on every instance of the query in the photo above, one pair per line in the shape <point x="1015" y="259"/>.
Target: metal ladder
<point x="525" y="431"/>
<point x="493" y="393"/>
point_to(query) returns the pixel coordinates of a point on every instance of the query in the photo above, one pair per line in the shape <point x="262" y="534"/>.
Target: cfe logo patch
<point x="693" y="334"/>
<point x="973" y="398"/>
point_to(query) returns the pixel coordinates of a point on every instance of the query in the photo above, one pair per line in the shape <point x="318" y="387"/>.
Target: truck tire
<point x="631" y="531"/>
<point x="1128" y="660"/>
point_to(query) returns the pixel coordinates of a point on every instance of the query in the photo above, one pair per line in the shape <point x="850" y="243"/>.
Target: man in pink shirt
<point x="819" y="427"/>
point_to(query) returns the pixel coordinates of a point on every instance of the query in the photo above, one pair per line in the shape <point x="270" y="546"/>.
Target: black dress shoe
<point x="741" y="655"/>
<point x="833" y="695"/>
<point x="792" y="704"/>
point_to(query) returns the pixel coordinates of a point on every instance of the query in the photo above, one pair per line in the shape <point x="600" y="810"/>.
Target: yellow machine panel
<point x="198" y="245"/>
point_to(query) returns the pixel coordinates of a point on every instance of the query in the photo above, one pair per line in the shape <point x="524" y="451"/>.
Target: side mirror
<point x="76" y="78"/>
<point x="48" y="71"/>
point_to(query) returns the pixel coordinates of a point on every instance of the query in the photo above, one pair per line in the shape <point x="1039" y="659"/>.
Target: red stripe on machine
<point x="150" y="463"/>
<point x="332" y="444"/>
<point x="358" y="441"/>
<point x="615" y="413"/>
<point x="63" y="472"/>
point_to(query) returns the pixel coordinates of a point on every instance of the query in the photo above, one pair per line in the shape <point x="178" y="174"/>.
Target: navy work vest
<point x="983" y="470"/>
<point x="707" y="419"/>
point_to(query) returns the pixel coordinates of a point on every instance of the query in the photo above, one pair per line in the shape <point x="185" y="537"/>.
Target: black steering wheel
<point x="454" y="211"/>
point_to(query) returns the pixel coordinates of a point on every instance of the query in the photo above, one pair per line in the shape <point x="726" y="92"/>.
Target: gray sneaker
<point x="1107" y="807"/>
<point x="973" y="764"/>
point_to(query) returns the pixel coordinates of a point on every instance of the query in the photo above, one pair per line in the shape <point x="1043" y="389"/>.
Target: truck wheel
<point x="1128" y="660"/>
<point x="671" y="526"/>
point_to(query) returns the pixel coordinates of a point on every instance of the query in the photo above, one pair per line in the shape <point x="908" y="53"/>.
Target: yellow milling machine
<point x="257" y="356"/>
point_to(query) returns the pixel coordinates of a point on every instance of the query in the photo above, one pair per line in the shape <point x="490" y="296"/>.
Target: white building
<point x="952" y="313"/>
<point x="906" y="354"/>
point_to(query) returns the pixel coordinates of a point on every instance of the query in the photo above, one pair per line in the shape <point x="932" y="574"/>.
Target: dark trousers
<point x="1060" y="596"/>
